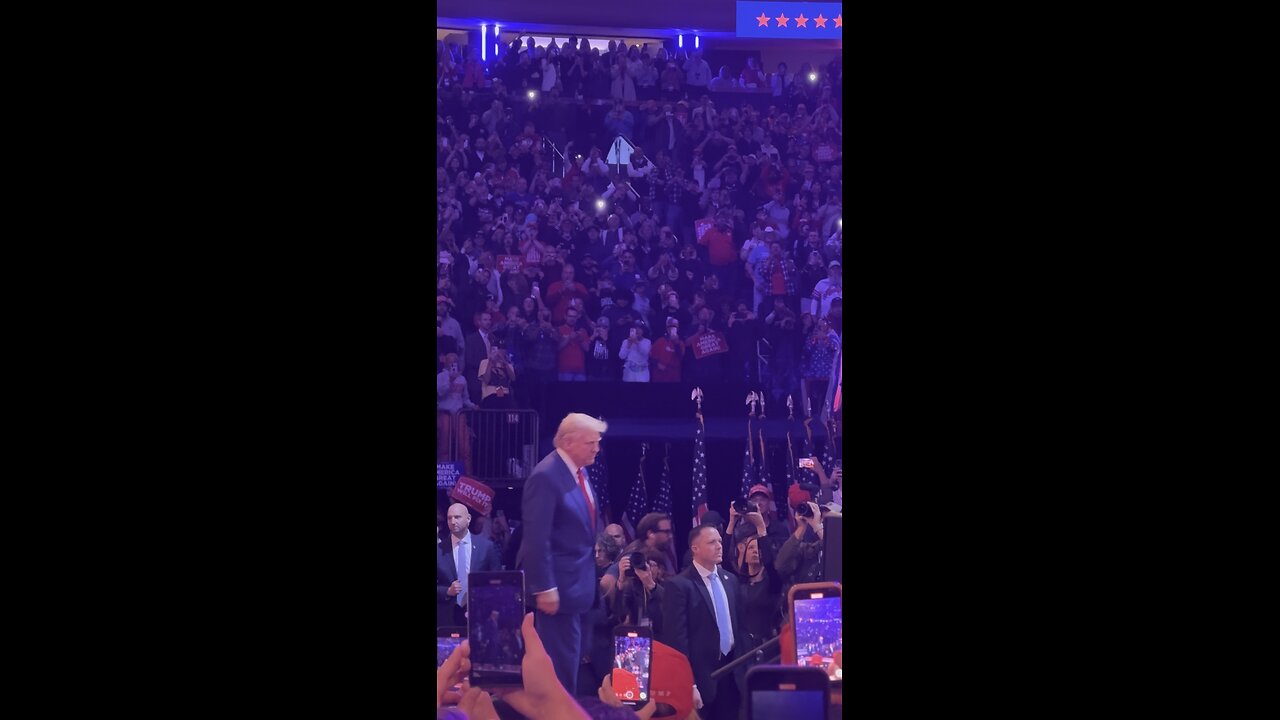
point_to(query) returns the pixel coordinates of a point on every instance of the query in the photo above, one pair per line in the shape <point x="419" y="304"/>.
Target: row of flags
<point x="755" y="470"/>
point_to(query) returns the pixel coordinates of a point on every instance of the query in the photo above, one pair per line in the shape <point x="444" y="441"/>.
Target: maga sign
<point x="474" y="494"/>
<point x="708" y="343"/>
<point x="447" y="474"/>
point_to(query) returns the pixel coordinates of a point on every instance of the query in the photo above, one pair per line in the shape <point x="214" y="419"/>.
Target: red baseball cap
<point x="671" y="681"/>
<point x="796" y="496"/>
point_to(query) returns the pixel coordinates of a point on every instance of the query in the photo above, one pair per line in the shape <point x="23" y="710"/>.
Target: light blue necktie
<point x="722" y="613"/>
<point x="462" y="572"/>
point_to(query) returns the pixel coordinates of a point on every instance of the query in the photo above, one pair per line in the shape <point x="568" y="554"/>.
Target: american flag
<point x="782" y="502"/>
<point x="748" y="465"/>
<point x="638" y="502"/>
<point x="598" y="474"/>
<point x="699" y="472"/>
<point x="828" y="455"/>
<point x="662" y="503"/>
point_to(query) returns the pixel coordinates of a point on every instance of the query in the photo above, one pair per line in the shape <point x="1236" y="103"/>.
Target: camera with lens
<point x="804" y="511"/>
<point x="637" y="561"/>
<point x="742" y="507"/>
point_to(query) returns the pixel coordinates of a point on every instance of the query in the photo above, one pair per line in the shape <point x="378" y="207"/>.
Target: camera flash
<point x="599" y="204"/>
<point x="813" y="77"/>
<point x="533" y="94"/>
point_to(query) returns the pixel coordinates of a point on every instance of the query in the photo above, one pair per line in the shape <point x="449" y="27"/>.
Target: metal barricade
<point x="496" y="447"/>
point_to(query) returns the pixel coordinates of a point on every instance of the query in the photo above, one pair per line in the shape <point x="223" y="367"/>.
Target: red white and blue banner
<point x="794" y="20"/>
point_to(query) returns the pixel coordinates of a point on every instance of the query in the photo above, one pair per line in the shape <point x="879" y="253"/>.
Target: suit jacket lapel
<point x="698" y="583"/>
<point x="579" y="501"/>
<point x="450" y="566"/>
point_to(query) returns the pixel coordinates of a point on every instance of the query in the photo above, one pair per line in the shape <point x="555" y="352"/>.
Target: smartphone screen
<point x="806" y="463"/>
<point x="817" y="621"/>
<point x="447" y="640"/>
<point x="632" y="649"/>
<point x="784" y="691"/>
<point x="495" y="611"/>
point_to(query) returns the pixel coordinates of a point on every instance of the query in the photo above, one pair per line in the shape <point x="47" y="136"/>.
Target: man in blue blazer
<point x="561" y="519"/>
<point x="481" y="556"/>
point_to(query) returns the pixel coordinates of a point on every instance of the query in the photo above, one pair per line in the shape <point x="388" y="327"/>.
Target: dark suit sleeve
<point x="675" y="614"/>
<point x="490" y="562"/>
<point x="539" y="510"/>
<point x="441" y="577"/>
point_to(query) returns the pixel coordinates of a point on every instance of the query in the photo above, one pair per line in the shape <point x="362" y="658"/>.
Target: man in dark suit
<point x="701" y="609"/>
<point x="461" y="550"/>
<point x="557" y="554"/>
<point x="477" y="349"/>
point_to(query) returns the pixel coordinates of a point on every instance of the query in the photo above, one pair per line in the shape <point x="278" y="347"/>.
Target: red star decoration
<point x="820" y="21"/>
<point x="782" y="20"/>
<point x="801" y="20"/>
<point x="764" y="21"/>
<point x="838" y="21"/>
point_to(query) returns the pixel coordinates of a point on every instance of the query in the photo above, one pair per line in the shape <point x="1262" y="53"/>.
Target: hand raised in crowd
<point x="548" y="602"/>
<point x="454" y="672"/>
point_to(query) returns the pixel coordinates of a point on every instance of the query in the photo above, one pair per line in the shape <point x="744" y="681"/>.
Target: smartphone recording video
<point x="495" y="612"/>
<point x="447" y="640"/>
<point x="806" y="463"/>
<point x="632" y="650"/>
<point x="815" y="614"/>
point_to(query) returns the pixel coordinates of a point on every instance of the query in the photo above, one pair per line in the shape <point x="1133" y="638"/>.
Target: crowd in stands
<point x="712" y="255"/>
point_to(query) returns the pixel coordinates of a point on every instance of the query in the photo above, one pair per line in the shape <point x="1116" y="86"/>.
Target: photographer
<point x="761" y="592"/>
<point x="638" y="600"/>
<point x="800" y="559"/>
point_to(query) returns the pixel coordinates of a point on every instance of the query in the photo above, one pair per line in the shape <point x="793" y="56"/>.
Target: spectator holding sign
<point x="707" y="348"/>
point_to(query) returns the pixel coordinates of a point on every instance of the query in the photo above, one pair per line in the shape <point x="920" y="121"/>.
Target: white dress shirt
<point x="459" y="546"/>
<point x="706" y="580"/>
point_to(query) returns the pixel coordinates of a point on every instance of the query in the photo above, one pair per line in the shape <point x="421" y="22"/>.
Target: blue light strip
<point x="484" y="45"/>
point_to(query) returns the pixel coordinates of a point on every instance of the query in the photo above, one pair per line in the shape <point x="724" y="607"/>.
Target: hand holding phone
<point x="807" y="463"/>
<point x="815" y="611"/>
<point x="633" y="650"/>
<point x="495" y="610"/>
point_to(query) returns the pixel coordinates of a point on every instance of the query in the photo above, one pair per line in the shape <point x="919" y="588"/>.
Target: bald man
<point x="615" y="531"/>
<point x="473" y="552"/>
<point x="561" y="519"/>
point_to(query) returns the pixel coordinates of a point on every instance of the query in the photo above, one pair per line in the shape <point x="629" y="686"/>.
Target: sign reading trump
<point x="791" y="20"/>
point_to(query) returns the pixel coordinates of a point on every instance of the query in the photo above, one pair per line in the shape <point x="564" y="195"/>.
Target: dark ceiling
<point x="669" y="15"/>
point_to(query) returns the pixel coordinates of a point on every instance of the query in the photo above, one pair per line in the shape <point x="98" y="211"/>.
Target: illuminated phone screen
<point x="817" y="630"/>
<point x="445" y="647"/>
<point x="631" y="654"/>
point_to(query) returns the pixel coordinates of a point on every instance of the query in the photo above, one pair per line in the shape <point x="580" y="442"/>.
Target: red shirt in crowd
<point x="559" y="295"/>
<point x="719" y="246"/>
<point x="666" y="355"/>
<point x="573" y="357"/>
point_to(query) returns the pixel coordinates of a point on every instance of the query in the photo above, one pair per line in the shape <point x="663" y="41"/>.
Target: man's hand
<point x="454" y="589"/>
<point x="477" y="704"/>
<point x="542" y="695"/>
<point x="646" y="578"/>
<point x="624" y="564"/>
<point x="757" y="519"/>
<point x="456" y="669"/>
<point x="549" y="602"/>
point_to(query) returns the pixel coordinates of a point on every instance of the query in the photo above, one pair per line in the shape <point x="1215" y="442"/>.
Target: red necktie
<point x="582" y="483"/>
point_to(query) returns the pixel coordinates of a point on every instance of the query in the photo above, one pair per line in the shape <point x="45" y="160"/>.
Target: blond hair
<point x="575" y="423"/>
